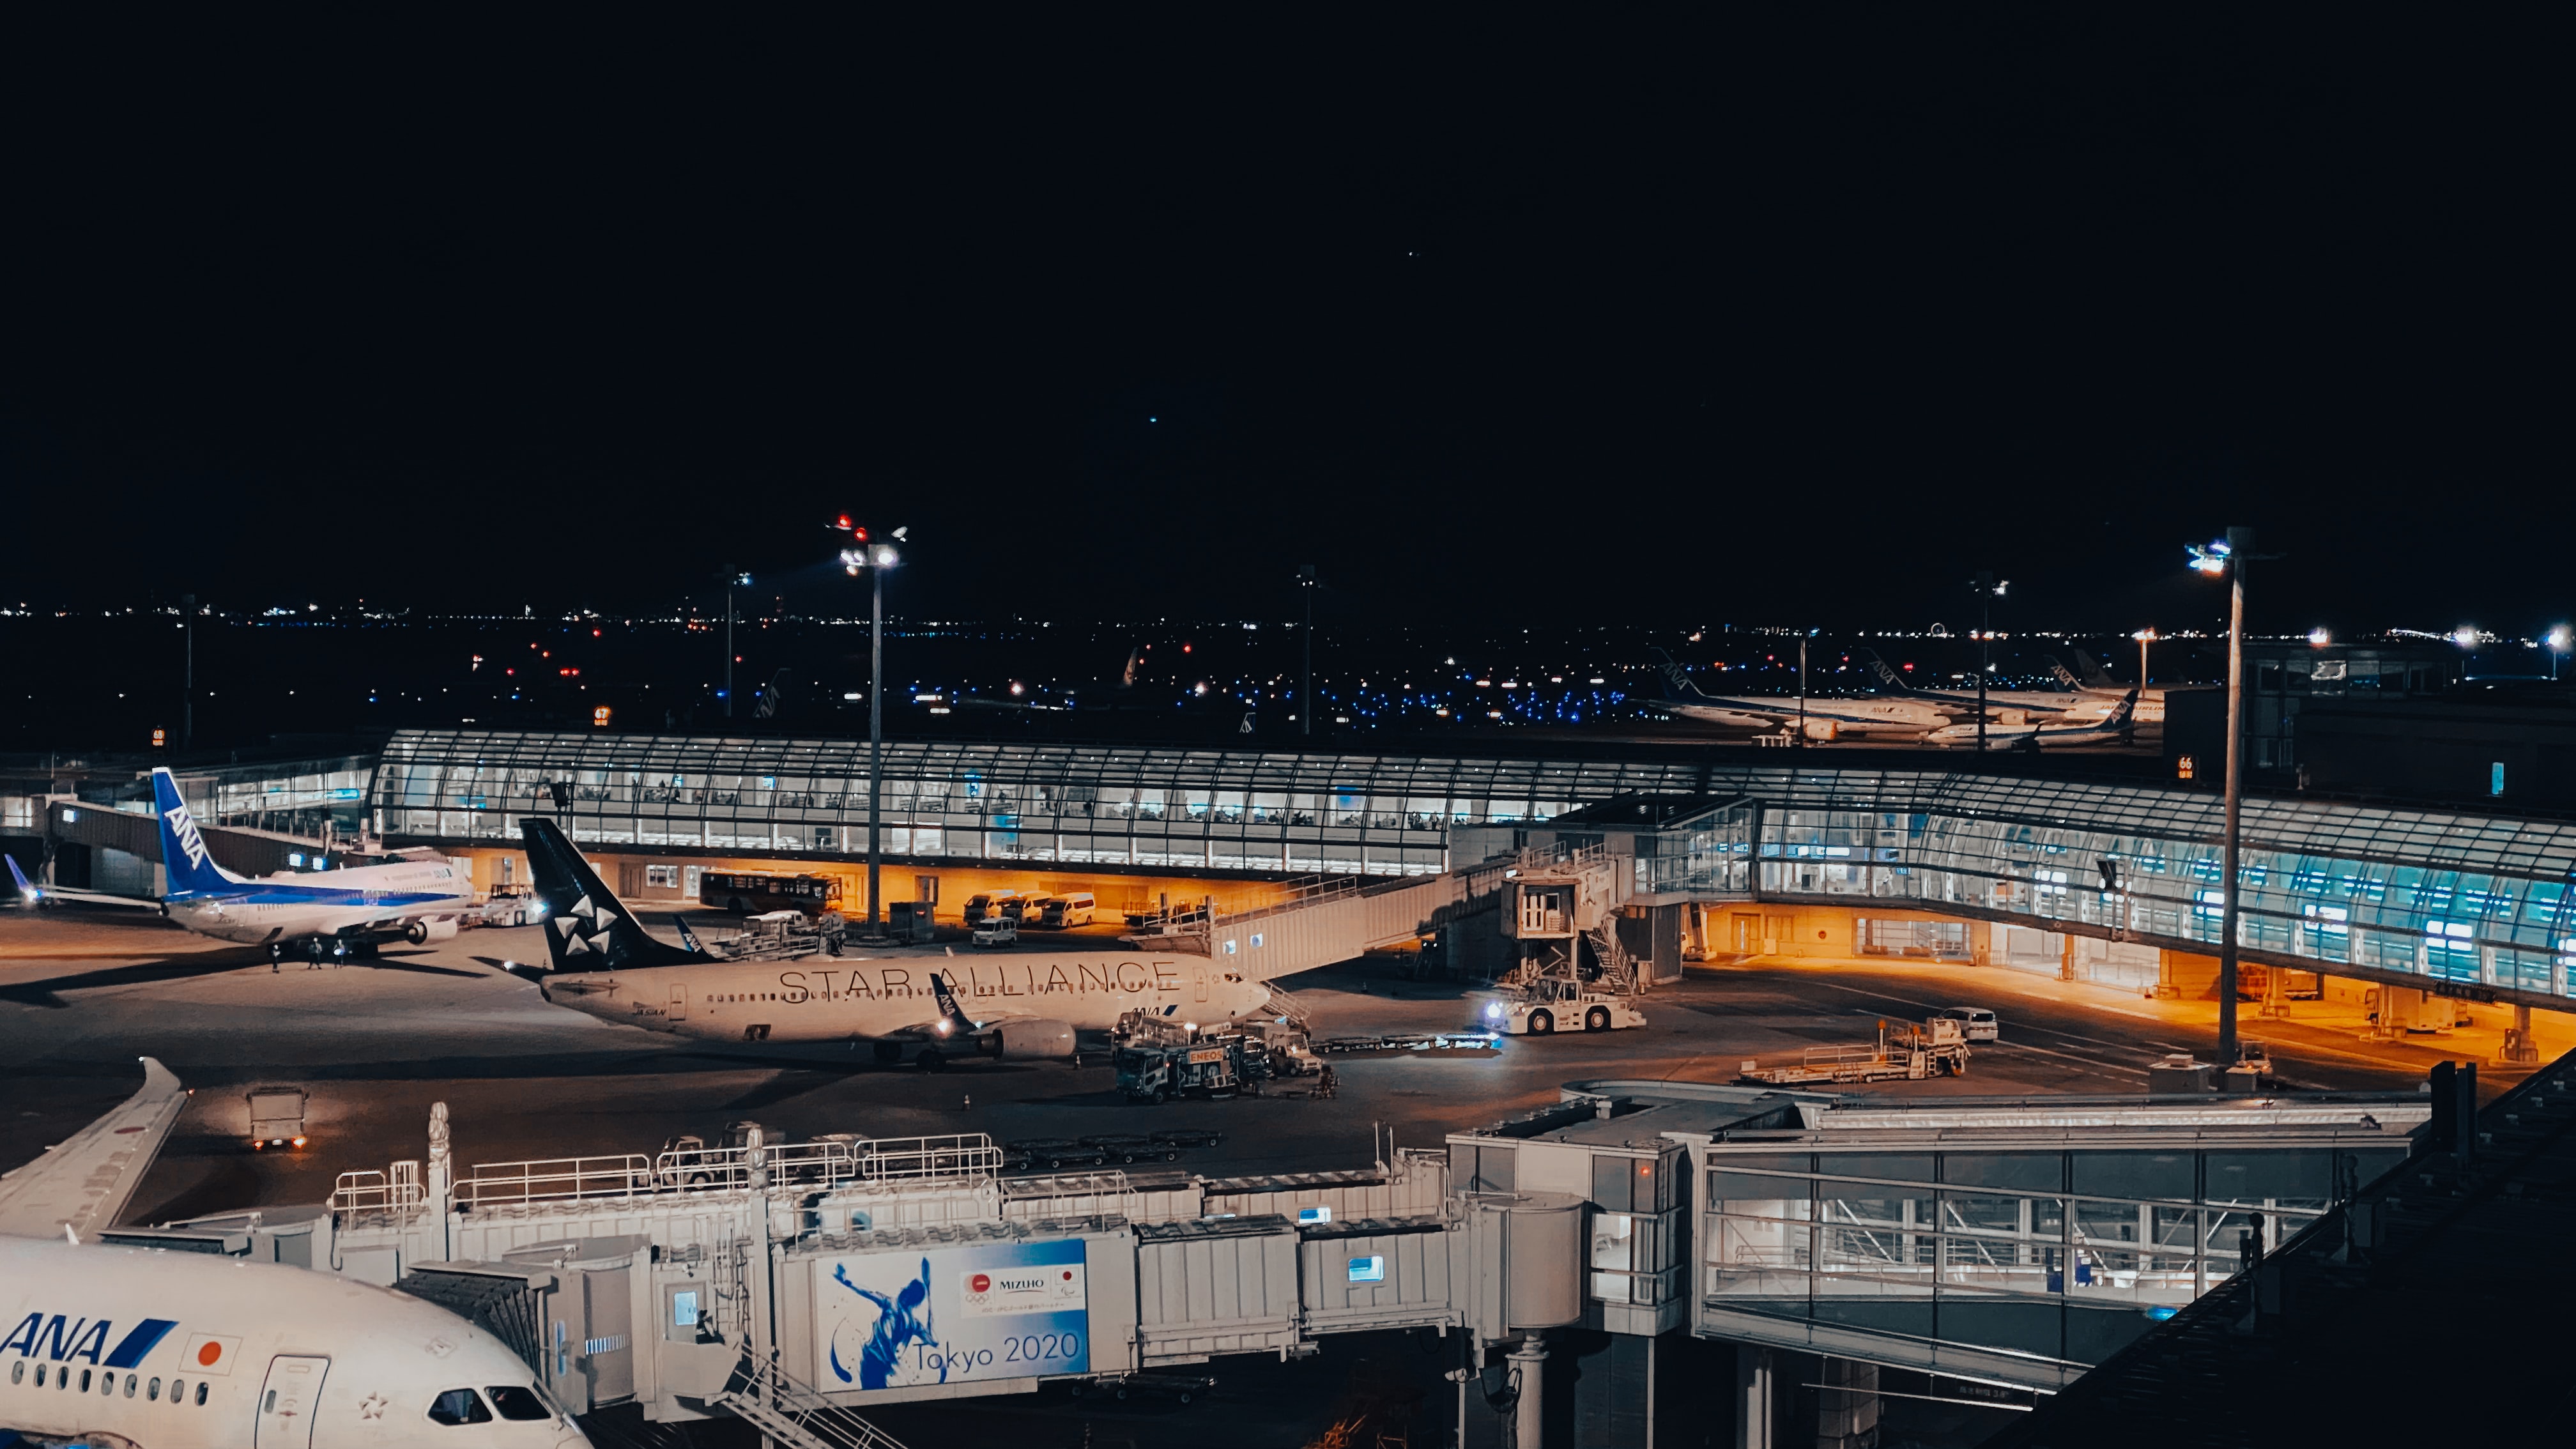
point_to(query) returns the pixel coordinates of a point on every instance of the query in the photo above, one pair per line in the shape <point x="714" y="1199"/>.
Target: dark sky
<point x="1560" y="321"/>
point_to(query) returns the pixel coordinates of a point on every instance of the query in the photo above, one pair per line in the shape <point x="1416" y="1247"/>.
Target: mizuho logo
<point x="186" y="829"/>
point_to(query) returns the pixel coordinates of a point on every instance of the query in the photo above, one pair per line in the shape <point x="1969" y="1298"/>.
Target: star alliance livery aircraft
<point x="127" y="1346"/>
<point x="350" y="910"/>
<point x="906" y="1007"/>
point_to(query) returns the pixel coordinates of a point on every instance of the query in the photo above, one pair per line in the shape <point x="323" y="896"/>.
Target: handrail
<point x="795" y="1412"/>
<point x="368" y="1190"/>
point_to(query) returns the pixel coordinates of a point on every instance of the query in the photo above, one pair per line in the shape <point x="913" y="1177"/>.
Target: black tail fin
<point x="587" y="929"/>
<point x="688" y="938"/>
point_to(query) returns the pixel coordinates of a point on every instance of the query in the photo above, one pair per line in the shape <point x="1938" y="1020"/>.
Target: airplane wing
<point x="86" y="1182"/>
<point x="33" y="894"/>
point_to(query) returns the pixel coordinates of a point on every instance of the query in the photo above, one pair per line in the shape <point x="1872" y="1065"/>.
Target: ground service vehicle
<point x="1027" y="910"/>
<point x="911" y="921"/>
<point x="513" y="905"/>
<point x="1049" y="1153"/>
<point x="1975" y="1023"/>
<point x="1937" y="1048"/>
<point x="1127" y="1147"/>
<point x="1076" y="909"/>
<point x="751" y="892"/>
<point x="276" y="1117"/>
<point x="1553" y="1004"/>
<point x="1190" y="1137"/>
<point x="1153" y="1072"/>
<point x="997" y="931"/>
<point x="986" y="905"/>
<point x="1179" y="1388"/>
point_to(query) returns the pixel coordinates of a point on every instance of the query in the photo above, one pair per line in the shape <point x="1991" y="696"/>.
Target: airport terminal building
<point x="1733" y="855"/>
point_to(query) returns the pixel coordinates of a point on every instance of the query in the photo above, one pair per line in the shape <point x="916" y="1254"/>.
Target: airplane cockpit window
<point x="459" y="1406"/>
<point x="516" y="1402"/>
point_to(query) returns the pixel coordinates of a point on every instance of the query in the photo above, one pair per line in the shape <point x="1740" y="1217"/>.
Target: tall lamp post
<point x="1306" y="682"/>
<point x="2144" y="637"/>
<point x="2559" y="641"/>
<point x="1989" y="588"/>
<point x="875" y="559"/>
<point x="732" y="582"/>
<point x="2229" y="558"/>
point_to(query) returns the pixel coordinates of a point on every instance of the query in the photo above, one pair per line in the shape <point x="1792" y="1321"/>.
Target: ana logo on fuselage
<point x="184" y="826"/>
<point x="64" y="1339"/>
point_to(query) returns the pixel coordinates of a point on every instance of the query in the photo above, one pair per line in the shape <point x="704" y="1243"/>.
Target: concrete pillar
<point x="2066" y="956"/>
<point x="1529" y="1365"/>
<point x="2519" y="1048"/>
<point x="1847" y="1410"/>
<point x="2276" y="992"/>
<point x="1752" y="1397"/>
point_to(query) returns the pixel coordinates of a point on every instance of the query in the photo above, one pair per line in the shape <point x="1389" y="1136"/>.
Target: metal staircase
<point x="1618" y="968"/>
<point x="795" y="1414"/>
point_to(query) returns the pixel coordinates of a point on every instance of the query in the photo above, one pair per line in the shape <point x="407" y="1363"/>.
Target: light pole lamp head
<point x="884" y="556"/>
<point x="2560" y="639"/>
<point x="2210" y="558"/>
<point x="741" y="580"/>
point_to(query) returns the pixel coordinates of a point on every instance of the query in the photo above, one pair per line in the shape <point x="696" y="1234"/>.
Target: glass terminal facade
<point x="2442" y="895"/>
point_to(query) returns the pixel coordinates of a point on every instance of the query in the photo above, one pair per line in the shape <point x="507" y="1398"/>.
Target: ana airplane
<point x="141" y="1346"/>
<point x="1868" y="716"/>
<point x="903" y="1007"/>
<point x="352" y="911"/>
<point x="2112" y="729"/>
<point x="2095" y="680"/>
<point x="32" y="895"/>
<point x="2069" y="707"/>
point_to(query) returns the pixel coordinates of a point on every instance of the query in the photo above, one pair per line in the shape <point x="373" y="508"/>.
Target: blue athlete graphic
<point x="896" y="1326"/>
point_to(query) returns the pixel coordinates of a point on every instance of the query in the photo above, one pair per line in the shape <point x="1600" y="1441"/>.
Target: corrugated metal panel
<point x="1204" y="1289"/>
<point x="1407" y="1284"/>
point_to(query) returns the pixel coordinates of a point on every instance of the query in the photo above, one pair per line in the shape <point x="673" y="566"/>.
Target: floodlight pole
<point x="876" y="728"/>
<point x="2240" y="552"/>
<point x="188" y="680"/>
<point x="1306" y="688"/>
<point x="1802" y="691"/>
<point x="1985" y="637"/>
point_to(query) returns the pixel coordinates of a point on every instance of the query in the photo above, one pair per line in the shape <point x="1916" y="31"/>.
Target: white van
<point x="1075" y="908"/>
<point x="1975" y="1023"/>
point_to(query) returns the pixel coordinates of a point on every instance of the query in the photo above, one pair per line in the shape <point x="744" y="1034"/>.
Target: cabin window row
<point x="106" y="1382"/>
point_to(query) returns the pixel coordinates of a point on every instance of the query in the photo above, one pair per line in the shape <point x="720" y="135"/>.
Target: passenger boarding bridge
<point x="797" y="1284"/>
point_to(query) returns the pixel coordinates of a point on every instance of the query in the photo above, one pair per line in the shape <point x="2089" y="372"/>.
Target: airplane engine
<point x="1029" y="1041"/>
<point x="421" y="933"/>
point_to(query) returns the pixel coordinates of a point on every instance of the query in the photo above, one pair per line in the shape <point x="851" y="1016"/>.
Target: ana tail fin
<point x="2065" y="677"/>
<point x="1677" y="680"/>
<point x="1887" y="675"/>
<point x="947" y="1000"/>
<point x="26" y="890"/>
<point x="183" y="846"/>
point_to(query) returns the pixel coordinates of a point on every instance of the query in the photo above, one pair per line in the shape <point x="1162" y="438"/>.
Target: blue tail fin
<point x="947" y="1000"/>
<point x="25" y="890"/>
<point x="183" y="849"/>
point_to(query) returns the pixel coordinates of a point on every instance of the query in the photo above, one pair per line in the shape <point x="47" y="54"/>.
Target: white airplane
<point x="354" y="909"/>
<point x="2098" y="682"/>
<point x="905" y="1007"/>
<point x="1848" y="716"/>
<point x="2113" y="729"/>
<point x="145" y="1347"/>
<point x="2069" y="707"/>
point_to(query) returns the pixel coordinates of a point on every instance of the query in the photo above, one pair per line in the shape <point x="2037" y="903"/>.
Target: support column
<point x="1529" y="1364"/>
<point x="1752" y="1397"/>
<point x="2066" y="956"/>
<point x="1847" y="1408"/>
<point x="2519" y="1049"/>
<point x="2276" y="992"/>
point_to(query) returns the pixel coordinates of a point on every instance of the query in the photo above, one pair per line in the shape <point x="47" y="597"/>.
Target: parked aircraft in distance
<point x="1847" y="716"/>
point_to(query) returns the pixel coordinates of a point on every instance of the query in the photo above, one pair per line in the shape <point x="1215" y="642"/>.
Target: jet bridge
<point x="794" y="1285"/>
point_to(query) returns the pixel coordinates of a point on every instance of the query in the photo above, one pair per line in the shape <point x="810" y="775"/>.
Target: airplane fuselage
<point x="821" y="998"/>
<point x="1849" y="715"/>
<point x="183" y="1351"/>
<point x="326" y="904"/>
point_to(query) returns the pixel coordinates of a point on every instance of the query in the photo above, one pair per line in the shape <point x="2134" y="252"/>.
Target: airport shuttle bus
<point x="751" y="893"/>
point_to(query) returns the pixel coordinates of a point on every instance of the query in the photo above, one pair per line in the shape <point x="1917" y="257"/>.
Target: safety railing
<point x="371" y="1191"/>
<point x="556" y="1178"/>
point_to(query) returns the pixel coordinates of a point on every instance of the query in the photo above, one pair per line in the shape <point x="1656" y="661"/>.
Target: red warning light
<point x="845" y="520"/>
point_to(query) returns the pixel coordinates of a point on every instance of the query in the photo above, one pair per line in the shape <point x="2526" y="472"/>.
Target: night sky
<point x="1562" y="321"/>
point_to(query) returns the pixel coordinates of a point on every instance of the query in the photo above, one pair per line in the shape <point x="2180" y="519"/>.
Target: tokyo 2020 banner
<point x="899" y="1320"/>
